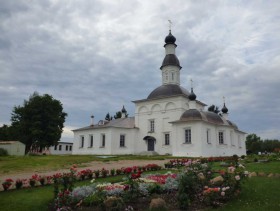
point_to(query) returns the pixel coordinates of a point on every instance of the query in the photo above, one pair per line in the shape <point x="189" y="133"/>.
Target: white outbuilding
<point x="169" y="121"/>
<point x="13" y="147"/>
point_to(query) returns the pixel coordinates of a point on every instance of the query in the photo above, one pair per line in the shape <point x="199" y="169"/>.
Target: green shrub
<point x="3" y="152"/>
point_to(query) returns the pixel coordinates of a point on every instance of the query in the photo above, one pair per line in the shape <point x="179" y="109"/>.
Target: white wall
<point x="162" y="112"/>
<point x="112" y="141"/>
<point x="62" y="148"/>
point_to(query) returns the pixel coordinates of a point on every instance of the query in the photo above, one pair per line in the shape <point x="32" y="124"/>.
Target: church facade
<point x="169" y="121"/>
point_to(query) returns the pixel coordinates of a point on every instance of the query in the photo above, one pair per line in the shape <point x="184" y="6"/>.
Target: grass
<point x="269" y="167"/>
<point x="18" y="164"/>
<point x="258" y="194"/>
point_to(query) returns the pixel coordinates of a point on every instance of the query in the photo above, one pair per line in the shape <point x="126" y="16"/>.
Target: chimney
<point x="92" y="122"/>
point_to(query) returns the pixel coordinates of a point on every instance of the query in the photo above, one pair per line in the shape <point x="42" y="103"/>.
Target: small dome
<point x="167" y="91"/>
<point x="170" y="39"/>
<point x="192" y="96"/>
<point x="224" y="109"/>
<point x="191" y="114"/>
<point x="213" y="117"/>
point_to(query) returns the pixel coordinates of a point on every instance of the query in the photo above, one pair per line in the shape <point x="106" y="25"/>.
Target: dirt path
<point x="95" y="165"/>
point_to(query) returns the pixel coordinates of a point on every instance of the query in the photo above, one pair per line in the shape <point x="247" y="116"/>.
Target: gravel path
<point x="95" y="165"/>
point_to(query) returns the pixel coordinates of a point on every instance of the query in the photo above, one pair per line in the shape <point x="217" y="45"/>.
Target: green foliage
<point x="108" y="117"/>
<point x="39" y="121"/>
<point x="8" y="133"/>
<point x="214" y="109"/>
<point x="254" y="144"/>
<point x="187" y="189"/>
<point x="3" y="152"/>
<point x="155" y="188"/>
<point x="95" y="199"/>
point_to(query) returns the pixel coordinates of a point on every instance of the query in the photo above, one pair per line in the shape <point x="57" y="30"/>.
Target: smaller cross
<point x="191" y="83"/>
<point x="170" y="24"/>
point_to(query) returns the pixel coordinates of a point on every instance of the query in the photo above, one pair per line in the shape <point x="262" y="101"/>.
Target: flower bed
<point x="195" y="185"/>
<point x="40" y="180"/>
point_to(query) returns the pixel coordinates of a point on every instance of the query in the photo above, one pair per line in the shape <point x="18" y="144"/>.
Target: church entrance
<point x="150" y="143"/>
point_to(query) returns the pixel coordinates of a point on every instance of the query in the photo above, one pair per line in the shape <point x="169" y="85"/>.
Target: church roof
<point x="168" y="90"/>
<point x="170" y="59"/>
<point x="127" y="123"/>
<point x="210" y="117"/>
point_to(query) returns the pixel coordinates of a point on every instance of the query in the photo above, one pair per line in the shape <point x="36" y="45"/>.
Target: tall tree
<point x="108" y="117"/>
<point x="8" y="133"/>
<point x="214" y="109"/>
<point x="39" y="121"/>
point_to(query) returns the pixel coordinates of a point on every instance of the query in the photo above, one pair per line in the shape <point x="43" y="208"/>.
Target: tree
<point x="39" y="121"/>
<point x="214" y="109"/>
<point x="8" y="133"/>
<point x="119" y="115"/>
<point x="108" y="117"/>
<point x="253" y="143"/>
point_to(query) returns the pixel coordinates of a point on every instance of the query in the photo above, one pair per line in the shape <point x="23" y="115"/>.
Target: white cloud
<point x="95" y="56"/>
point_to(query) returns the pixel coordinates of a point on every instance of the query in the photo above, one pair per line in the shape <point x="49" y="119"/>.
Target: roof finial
<point x="191" y="83"/>
<point x="170" y="24"/>
<point x="224" y="109"/>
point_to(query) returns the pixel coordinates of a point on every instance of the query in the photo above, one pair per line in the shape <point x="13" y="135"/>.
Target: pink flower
<point x="237" y="177"/>
<point x="223" y="193"/>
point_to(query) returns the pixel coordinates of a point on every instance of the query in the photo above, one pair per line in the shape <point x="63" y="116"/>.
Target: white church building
<point x="169" y="121"/>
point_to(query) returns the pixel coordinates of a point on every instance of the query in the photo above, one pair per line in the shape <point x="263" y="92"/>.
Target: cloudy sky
<point x="97" y="55"/>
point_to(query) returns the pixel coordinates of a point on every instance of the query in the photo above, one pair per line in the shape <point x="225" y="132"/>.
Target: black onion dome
<point x="170" y="59"/>
<point x="191" y="114"/>
<point x="167" y="91"/>
<point x="192" y="96"/>
<point x="224" y="109"/>
<point x="170" y="39"/>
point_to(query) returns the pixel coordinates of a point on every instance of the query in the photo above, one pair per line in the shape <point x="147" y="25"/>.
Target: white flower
<point x="223" y="193"/>
<point x="92" y="181"/>
<point x="224" y="189"/>
<point x="241" y="166"/>
<point x="237" y="177"/>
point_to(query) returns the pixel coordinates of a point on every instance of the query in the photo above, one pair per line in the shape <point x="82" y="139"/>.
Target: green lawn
<point x="14" y="164"/>
<point x="258" y="194"/>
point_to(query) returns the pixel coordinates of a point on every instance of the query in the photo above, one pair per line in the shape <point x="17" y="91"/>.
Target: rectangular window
<point x="221" y="137"/>
<point x="66" y="148"/>
<point x="166" y="138"/>
<point x="231" y="139"/>
<point x="70" y="148"/>
<point x="55" y="147"/>
<point x="59" y="147"/>
<point x="188" y="136"/>
<point x="239" y="141"/>
<point x="152" y="125"/>
<point x="82" y="141"/>
<point x="208" y="136"/>
<point x="90" y="145"/>
<point x="122" y="140"/>
<point x="103" y="139"/>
